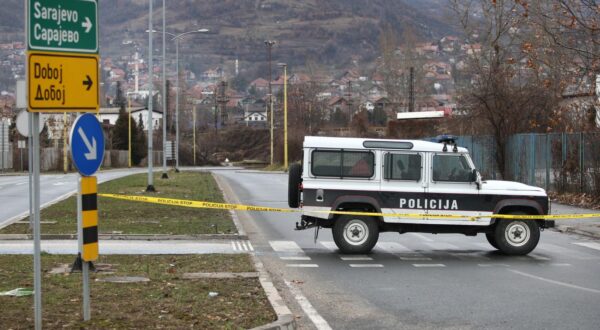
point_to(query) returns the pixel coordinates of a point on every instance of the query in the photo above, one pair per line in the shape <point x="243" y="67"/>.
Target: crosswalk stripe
<point x="493" y="265"/>
<point x="560" y="265"/>
<point x="567" y="252"/>
<point x="329" y="245"/>
<point x="591" y="245"/>
<point x="295" y="258"/>
<point x="442" y="246"/>
<point x="415" y="258"/>
<point x="366" y="265"/>
<point x="302" y="265"/>
<point x="356" y="258"/>
<point x="401" y="251"/>
<point x="428" y="265"/>
<point x="285" y="246"/>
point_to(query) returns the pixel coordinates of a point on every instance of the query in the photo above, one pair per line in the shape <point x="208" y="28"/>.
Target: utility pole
<point x="150" y="187"/>
<point x="269" y="44"/>
<point x="164" y="98"/>
<point x="411" y="90"/>
<point x="65" y="159"/>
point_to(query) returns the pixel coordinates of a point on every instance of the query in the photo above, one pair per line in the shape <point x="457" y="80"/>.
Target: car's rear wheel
<point x="294" y="180"/>
<point x="355" y="234"/>
<point x="517" y="236"/>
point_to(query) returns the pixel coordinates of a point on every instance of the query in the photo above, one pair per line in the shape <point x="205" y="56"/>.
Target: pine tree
<point x="120" y="140"/>
<point x="139" y="148"/>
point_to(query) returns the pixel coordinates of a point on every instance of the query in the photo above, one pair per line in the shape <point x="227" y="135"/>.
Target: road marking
<point x="244" y="246"/>
<point x="568" y="285"/>
<point x="423" y="237"/>
<point x="356" y="258"/>
<point x="415" y="258"/>
<point x="595" y="246"/>
<point x="329" y="245"/>
<point x="295" y="258"/>
<point x="402" y="251"/>
<point x="442" y="246"/>
<point x="538" y="257"/>
<point x="428" y="265"/>
<point x="568" y="252"/>
<point x="285" y="246"/>
<point x="307" y="307"/>
<point x="366" y="265"/>
<point x="302" y="265"/>
<point x="560" y="265"/>
<point x="493" y="265"/>
<point x="21" y="183"/>
<point x="58" y="184"/>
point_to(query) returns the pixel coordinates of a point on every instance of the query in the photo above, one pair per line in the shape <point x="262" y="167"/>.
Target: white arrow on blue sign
<point x="87" y="144"/>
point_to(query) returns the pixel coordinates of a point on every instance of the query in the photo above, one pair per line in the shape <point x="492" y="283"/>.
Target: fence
<point x="565" y="162"/>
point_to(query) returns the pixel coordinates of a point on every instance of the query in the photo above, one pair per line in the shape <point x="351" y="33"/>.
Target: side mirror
<point x="476" y="177"/>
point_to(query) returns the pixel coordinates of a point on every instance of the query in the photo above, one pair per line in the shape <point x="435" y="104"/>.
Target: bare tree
<point x="505" y="95"/>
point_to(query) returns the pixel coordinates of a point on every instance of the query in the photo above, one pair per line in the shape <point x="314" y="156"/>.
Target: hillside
<point x="330" y="33"/>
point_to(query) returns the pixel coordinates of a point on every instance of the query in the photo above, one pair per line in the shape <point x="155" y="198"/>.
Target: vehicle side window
<point x="451" y="168"/>
<point x="403" y="167"/>
<point x="341" y="163"/>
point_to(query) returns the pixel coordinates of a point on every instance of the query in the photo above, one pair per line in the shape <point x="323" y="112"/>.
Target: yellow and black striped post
<point x="89" y="218"/>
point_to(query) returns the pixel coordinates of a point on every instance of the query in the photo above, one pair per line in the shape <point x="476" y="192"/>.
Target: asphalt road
<point x="418" y="280"/>
<point x="14" y="190"/>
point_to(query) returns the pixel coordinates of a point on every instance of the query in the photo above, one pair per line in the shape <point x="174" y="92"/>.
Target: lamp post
<point x="175" y="37"/>
<point x="150" y="187"/>
<point x="269" y="44"/>
<point x="165" y="97"/>
<point x="285" y="139"/>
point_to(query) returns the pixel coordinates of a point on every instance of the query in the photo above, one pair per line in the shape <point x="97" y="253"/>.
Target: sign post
<point x="62" y="76"/>
<point x="87" y="152"/>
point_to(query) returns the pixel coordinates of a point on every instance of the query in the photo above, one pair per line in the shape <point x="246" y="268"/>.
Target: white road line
<point x="591" y="245"/>
<point x="238" y="245"/>
<point x="442" y="246"/>
<point x="366" y="265"/>
<point x="560" y="265"/>
<point x="428" y="265"/>
<point x="568" y="285"/>
<point x="285" y="246"/>
<point x="20" y="183"/>
<point x="415" y="258"/>
<point x="302" y="265"/>
<point x="307" y="307"/>
<point x="423" y="237"/>
<point x="295" y="258"/>
<point x="356" y="258"/>
<point x="493" y="265"/>
<point x="567" y="252"/>
<point x="393" y="247"/>
<point x="329" y="245"/>
<point x="233" y="246"/>
<point x="538" y="257"/>
<point x="250" y="246"/>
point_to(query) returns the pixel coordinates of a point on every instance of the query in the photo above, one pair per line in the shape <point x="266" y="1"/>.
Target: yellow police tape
<point x="240" y="207"/>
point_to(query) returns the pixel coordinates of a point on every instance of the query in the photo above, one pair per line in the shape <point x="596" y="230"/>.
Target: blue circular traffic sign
<point x="87" y="144"/>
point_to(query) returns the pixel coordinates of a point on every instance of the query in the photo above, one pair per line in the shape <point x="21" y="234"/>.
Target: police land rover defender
<point x="435" y="183"/>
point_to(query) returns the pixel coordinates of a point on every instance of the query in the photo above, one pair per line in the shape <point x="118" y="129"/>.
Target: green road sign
<point x="65" y="26"/>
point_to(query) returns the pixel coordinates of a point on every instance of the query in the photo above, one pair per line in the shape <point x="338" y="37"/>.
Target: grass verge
<point x="126" y="217"/>
<point x="166" y="301"/>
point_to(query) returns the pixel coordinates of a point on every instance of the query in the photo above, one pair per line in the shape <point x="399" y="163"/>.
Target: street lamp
<point x="285" y="139"/>
<point x="269" y="44"/>
<point x="175" y="37"/>
<point x="150" y="187"/>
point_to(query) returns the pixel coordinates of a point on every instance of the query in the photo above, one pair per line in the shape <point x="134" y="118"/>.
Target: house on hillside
<point x="260" y="85"/>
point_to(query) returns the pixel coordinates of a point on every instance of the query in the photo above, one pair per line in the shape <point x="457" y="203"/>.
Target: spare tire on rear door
<point x="294" y="181"/>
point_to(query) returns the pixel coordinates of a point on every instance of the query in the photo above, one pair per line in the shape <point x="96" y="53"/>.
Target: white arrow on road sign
<point x="91" y="154"/>
<point x="87" y="24"/>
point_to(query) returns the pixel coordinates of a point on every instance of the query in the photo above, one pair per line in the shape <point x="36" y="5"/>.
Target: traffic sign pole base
<point x="78" y="265"/>
<point x="150" y="188"/>
<point x="164" y="176"/>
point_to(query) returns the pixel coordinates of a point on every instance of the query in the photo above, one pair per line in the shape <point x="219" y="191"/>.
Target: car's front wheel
<point x="355" y="234"/>
<point x="517" y="236"/>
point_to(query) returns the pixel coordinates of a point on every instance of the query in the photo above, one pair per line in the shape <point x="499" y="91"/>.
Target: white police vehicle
<point x="436" y="181"/>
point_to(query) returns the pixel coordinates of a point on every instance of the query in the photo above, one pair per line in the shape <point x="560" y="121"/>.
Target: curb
<point x="131" y="237"/>
<point x="573" y="230"/>
<point x="285" y="318"/>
